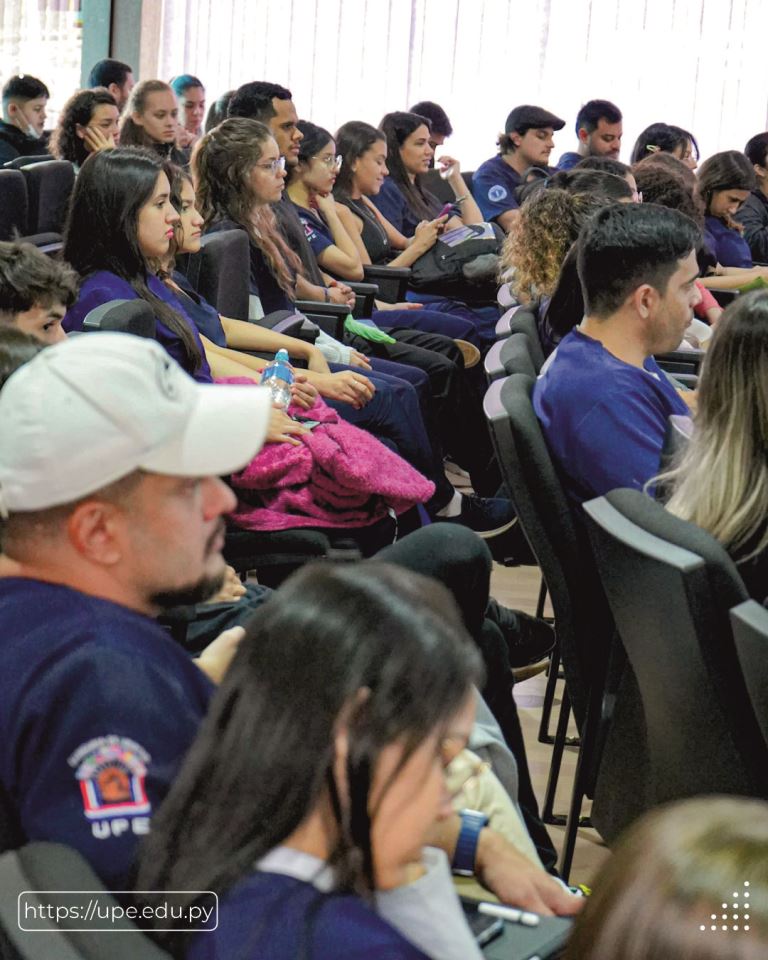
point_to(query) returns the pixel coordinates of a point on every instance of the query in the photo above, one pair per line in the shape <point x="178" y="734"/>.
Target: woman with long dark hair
<point x="364" y="168"/>
<point x="88" y="123"/>
<point x="667" y="138"/>
<point x="317" y="776"/>
<point x="403" y="198"/>
<point x="151" y="120"/>
<point x="724" y="182"/>
<point x="239" y="177"/>
<point x="338" y="247"/>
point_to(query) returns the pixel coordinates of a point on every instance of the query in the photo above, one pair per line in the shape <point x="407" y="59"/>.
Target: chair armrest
<point x="392" y="281"/>
<point x="680" y="361"/>
<point x="328" y="316"/>
<point x="365" y="294"/>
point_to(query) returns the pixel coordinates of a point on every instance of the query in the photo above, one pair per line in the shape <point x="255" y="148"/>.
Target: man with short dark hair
<point x="116" y="76"/>
<point x="439" y="124"/>
<point x="35" y="291"/>
<point x="22" y="128"/>
<point x="602" y="400"/>
<point x="599" y="129"/>
<point x="526" y="142"/>
<point x="753" y="213"/>
<point x="273" y="106"/>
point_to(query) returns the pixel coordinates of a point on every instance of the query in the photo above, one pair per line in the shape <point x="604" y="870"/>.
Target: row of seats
<point x="664" y="692"/>
<point x="34" y="198"/>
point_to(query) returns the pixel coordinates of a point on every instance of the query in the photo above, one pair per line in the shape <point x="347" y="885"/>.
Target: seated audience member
<point x="665" y="138"/>
<point x="753" y="213"/>
<point x="724" y="182"/>
<point x="599" y="131"/>
<point x="666" y="882"/>
<point x="403" y="199"/>
<point x="23" y="123"/>
<point x="239" y="176"/>
<point x="35" y="291"/>
<point x="16" y="349"/>
<point x="218" y="110"/>
<point x="363" y="150"/>
<point x="526" y="142"/>
<point x="721" y="480"/>
<point x="112" y="507"/>
<point x="190" y="93"/>
<point x="439" y="125"/>
<point x="88" y="123"/>
<point x="611" y="165"/>
<point x="97" y="600"/>
<point x="116" y="76"/>
<point x="602" y="400"/>
<point x="538" y="257"/>
<point x="328" y="849"/>
<point x="336" y="245"/>
<point x="151" y="120"/>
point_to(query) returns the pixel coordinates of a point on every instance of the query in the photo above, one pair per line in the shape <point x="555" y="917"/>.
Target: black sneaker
<point x="529" y="640"/>
<point x="487" y="516"/>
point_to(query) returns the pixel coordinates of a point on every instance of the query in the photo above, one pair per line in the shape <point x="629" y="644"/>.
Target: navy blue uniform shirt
<point x="604" y="420"/>
<point x="97" y="708"/>
<point x="493" y="187"/>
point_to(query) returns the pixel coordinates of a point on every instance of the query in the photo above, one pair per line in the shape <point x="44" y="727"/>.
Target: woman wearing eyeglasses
<point x="309" y="795"/>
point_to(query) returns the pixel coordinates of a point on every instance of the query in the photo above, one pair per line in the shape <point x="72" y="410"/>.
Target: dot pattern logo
<point x="734" y="918"/>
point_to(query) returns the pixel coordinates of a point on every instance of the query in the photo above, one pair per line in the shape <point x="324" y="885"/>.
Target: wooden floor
<point x="518" y="587"/>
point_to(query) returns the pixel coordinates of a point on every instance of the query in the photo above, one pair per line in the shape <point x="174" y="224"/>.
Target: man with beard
<point x="112" y="512"/>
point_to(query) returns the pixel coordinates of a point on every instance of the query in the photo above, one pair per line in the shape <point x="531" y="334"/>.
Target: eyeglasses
<point x="273" y="166"/>
<point x="333" y="163"/>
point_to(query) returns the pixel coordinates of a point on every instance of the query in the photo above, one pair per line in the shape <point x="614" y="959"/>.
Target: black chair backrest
<point x="122" y="316"/>
<point x="582" y="619"/>
<point x="18" y="162"/>
<point x="14" y="205"/>
<point x="36" y="871"/>
<point x="670" y="587"/>
<point x="49" y="185"/>
<point x="220" y="272"/>
<point x="750" y="634"/>
<point x="524" y="321"/>
<point x="516" y="356"/>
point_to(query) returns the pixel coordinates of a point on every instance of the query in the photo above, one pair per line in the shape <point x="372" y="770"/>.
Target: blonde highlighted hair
<point x="720" y="482"/>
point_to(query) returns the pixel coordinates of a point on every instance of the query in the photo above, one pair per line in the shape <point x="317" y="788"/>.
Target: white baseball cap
<point x="94" y="408"/>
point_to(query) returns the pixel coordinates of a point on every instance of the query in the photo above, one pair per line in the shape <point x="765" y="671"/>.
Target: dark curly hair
<point x="78" y="111"/>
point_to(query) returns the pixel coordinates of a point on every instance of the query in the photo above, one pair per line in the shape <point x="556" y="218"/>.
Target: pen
<point x="509" y="913"/>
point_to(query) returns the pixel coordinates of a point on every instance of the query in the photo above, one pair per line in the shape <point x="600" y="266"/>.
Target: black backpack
<point x="467" y="271"/>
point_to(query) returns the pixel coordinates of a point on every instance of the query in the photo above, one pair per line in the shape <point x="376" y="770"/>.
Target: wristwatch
<point x="472" y="822"/>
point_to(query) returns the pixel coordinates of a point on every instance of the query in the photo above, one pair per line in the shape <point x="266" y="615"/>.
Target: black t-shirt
<point x="15" y="143"/>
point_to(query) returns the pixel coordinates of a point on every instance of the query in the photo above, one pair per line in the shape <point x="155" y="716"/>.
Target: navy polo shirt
<point x="493" y="187"/>
<point x="315" y="230"/>
<point x="97" y="708"/>
<point x="604" y="420"/>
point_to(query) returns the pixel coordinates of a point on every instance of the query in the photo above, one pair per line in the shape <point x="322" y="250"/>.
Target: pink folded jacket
<point x="338" y="476"/>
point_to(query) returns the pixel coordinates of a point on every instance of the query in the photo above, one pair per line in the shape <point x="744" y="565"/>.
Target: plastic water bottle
<point x="278" y="376"/>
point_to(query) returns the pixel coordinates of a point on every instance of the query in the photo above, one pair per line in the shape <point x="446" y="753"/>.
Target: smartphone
<point x="484" y="928"/>
<point x="446" y="211"/>
<point x="306" y="422"/>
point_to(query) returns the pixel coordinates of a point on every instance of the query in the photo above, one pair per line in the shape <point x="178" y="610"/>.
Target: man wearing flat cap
<point x="527" y="142"/>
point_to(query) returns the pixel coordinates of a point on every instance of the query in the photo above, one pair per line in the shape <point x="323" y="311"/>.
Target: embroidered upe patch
<point x="111" y="771"/>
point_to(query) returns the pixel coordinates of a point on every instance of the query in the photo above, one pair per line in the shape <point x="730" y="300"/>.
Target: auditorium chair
<point x="683" y="723"/>
<point x="49" y="186"/>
